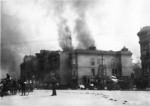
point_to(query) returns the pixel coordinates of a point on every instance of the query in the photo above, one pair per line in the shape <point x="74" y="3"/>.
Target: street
<point x="79" y="98"/>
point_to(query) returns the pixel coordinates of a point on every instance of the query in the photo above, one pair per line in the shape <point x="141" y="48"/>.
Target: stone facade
<point x="92" y="63"/>
<point x="144" y="37"/>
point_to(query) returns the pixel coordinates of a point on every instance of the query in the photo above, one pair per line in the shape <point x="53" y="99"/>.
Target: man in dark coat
<point x="8" y="78"/>
<point x="14" y="87"/>
<point x="53" y="86"/>
<point x="1" y="87"/>
<point x="23" y="87"/>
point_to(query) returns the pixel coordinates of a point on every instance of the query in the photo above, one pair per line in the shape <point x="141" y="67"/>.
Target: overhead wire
<point x="24" y="43"/>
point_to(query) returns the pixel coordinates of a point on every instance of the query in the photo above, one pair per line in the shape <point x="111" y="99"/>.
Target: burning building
<point x="39" y="66"/>
<point x="89" y="64"/>
<point x="82" y="66"/>
<point x="28" y="67"/>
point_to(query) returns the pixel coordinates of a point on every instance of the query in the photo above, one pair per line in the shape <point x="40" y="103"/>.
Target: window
<point x="104" y="72"/>
<point x="73" y="61"/>
<point x="93" y="72"/>
<point x="92" y="61"/>
<point x="98" y="61"/>
<point x="114" y="72"/>
<point x="112" y="62"/>
<point x="103" y="61"/>
<point x="74" y="73"/>
<point x="149" y="68"/>
<point x="145" y="49"/>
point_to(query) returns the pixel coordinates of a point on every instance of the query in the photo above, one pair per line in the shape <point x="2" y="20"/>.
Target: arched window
<point x="73" y="61"/>
<point x="92" y="61"/>
<point x="112" y="62"/>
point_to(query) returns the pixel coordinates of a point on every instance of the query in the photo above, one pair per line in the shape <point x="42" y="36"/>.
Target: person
<point x="23" y="87"/>
<point x="8" y="79"/>
<point x="132" y="75"/>
<point x="54" y="87"/>
<point x="7" y="76"/>
<point x="14" y="87"/>
<point x="4" y="87"/>
<point x="1" y="87"/>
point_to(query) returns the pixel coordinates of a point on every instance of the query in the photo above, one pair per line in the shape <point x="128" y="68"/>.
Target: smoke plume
<point x="84" y="37"/>
<point x="64" y="37"/>
<point x="10" y="35"/>
<point x="64" y="32"/>
<point x="82" y="31"/>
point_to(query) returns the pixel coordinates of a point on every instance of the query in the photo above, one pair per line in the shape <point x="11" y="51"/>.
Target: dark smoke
<point x="81" y="29"/>
<point x="64" y="32"/>
<point x="84" y="37"/>
<point x="85" y="40"/>
<point x="10" y="36"/>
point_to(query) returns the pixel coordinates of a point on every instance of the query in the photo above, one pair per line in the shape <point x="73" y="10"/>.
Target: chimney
<point x="92" y="48"/>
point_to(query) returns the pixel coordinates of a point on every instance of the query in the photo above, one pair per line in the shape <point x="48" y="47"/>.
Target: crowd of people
<point x="22" y="86"/>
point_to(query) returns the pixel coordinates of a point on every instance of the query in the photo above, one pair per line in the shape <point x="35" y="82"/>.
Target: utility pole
<point x="103" y="71"/>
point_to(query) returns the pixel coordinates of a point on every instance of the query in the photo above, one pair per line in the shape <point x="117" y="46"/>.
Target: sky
<point x="28" y="26"/>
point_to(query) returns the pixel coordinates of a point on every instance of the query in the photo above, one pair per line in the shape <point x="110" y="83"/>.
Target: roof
<point x="100" y="52"/>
